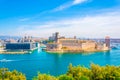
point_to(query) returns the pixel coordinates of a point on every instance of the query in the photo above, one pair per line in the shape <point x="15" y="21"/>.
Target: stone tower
<point x="107" y="41"/>
<point x="56" y="37"/>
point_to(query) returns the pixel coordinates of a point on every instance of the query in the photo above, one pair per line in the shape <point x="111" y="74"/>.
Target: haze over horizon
<point x="41" y="18"/>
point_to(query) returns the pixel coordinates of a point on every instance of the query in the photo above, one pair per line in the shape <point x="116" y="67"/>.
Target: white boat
<point x="3" y="60"/>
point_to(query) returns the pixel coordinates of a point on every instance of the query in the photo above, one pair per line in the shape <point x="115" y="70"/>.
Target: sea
<point x="56" y="64"/>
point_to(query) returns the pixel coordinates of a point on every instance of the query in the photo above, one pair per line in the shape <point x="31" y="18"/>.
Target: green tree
<point x="44" y="77"/>
<point x="78" y="72"/>
<point x="5" y="74"/>
<point x="95" y="72"/>
<point x="65" y="77"/>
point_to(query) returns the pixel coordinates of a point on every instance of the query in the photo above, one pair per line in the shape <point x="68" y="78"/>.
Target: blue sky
<point x="41" y="18"/>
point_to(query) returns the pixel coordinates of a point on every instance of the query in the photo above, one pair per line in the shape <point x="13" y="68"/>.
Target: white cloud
<point x="89" y="26"/>
<point x="75" y="2"/>
<point x="69" y="4"/>
<point x="24" y="19"/>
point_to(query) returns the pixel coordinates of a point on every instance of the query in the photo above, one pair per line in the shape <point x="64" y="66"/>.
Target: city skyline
<point x="82" y="18"/>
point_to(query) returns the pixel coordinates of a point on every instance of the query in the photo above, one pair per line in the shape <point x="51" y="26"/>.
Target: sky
<point x="41" y="18"/>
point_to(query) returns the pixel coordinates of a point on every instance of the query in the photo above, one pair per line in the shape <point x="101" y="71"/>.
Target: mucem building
<point x="25" y="43"/>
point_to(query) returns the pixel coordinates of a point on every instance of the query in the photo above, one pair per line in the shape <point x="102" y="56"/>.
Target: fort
<point x="62" y="44"/>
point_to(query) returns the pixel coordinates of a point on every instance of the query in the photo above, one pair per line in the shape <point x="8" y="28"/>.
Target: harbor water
<point x="56" y="64"/>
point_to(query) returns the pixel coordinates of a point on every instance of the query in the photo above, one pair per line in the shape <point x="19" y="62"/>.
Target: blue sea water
<point x="56" y="64"/>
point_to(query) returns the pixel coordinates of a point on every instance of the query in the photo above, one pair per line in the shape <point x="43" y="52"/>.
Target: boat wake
<point x="5" y="60"/>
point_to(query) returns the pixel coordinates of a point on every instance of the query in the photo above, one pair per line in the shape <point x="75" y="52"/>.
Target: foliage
<point x="95" y="72"/>
<point x="5" y="74"/>
<point x="65" y="77"/>
<point x="78" y="72"/>
<point x="105" y="73"/>
<point x="44" y="77"/>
